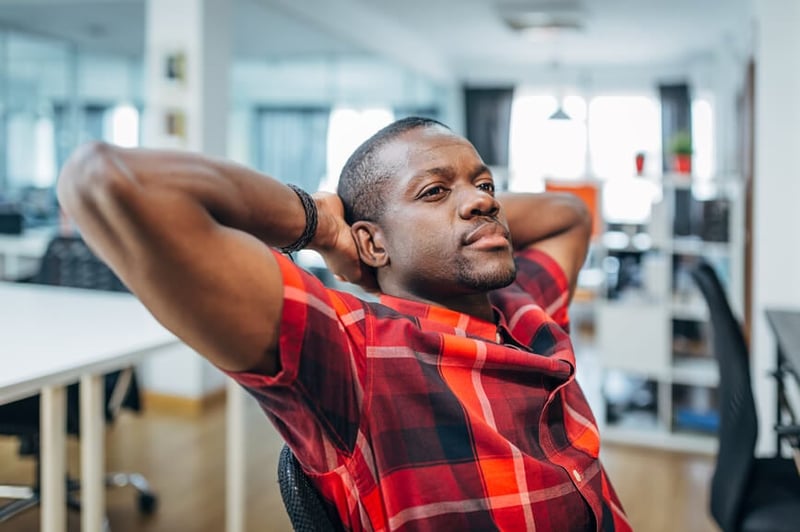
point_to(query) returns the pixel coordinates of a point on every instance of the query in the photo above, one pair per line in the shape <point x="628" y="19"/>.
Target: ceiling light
<point x="543" y="18"/>
<point x="559" y="114"/>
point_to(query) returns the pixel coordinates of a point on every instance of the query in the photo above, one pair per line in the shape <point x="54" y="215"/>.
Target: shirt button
<point x="577" y="475"/>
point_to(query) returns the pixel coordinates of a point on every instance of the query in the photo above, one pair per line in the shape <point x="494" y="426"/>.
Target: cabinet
<point x="659" y="376"/>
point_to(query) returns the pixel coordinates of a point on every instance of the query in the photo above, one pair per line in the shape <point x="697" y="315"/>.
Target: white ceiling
<point x="454" y="39"/>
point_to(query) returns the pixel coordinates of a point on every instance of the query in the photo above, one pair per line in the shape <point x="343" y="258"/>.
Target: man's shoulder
<point x="538" y="267"/>
<point x="311" y="285"/>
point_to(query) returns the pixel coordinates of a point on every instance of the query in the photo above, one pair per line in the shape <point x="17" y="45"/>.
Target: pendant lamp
<point x="559" y="113"/>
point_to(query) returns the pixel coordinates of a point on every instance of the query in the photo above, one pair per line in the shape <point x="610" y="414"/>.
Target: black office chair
<point x="303" y="504"/>
<point x="747" y="493"/>
<point x="68" y="261"/>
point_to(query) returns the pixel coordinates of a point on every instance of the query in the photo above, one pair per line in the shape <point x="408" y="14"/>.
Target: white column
<point x="776" y="246"/>
<point x="187" y="78"/>
<point x="188" y="65"/>
<point x="187" y="73"/>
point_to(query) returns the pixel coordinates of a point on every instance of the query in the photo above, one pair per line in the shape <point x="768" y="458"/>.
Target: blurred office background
<point x="596" y="97"/>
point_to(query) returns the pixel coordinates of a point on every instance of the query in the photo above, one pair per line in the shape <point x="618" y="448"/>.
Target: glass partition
<point x="54" y="96"/>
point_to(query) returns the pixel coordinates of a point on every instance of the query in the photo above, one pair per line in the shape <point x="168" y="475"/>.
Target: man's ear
<point x="370" y="243"/>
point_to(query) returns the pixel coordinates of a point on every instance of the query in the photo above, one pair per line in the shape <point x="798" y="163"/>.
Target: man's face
<point x="445" y="234"/>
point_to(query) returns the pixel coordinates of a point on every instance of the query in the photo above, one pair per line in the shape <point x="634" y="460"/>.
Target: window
<point x="619" y="128"/>
<point x="609" y="133"/>
<point x="290" y="144"/>
<point x="703" y="139"/>
<point x="348" y="128"/>
<point x="123" y="126"/>
<point x="540" y="148"/>
<point x="115" y="123"/>
<point x="31" y="158"/>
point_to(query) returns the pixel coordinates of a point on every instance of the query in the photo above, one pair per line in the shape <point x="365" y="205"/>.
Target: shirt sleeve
<point x="315" y="399"/>
<point x="540" y="275"/>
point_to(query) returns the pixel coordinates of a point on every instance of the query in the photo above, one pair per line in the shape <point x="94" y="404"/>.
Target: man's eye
<point x="487" y="187"/>
<point x="433" y="191"/>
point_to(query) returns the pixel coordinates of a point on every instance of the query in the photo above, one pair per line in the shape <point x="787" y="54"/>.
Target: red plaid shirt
<point x="413" y="417"/>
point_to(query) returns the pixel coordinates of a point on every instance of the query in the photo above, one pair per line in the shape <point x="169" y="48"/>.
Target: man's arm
<point x="187" y="235"/>
<point x="557" y="223"/>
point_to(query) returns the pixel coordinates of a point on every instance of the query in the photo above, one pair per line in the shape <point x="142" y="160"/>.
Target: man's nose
<point x="477" y="202"/>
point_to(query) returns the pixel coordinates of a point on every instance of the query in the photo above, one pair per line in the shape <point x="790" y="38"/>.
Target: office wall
<point x="776" y="253"/>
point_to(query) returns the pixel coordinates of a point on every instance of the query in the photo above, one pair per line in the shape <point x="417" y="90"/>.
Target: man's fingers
<point x="352" y="276"/>
<point x="363" y="278"/>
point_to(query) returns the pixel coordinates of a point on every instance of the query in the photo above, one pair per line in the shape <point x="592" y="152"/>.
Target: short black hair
<point x="361" y="183"/>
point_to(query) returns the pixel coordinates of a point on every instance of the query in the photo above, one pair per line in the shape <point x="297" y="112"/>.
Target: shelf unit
<point x="659" y="376"/>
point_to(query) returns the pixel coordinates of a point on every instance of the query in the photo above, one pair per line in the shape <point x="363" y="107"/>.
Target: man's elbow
<point x="581" y="215"/>
<point x="586" y="220"/>
<point x="88" y="173"/>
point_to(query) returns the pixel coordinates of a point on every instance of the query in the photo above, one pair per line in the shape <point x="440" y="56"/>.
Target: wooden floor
<point x="184" y="460"/>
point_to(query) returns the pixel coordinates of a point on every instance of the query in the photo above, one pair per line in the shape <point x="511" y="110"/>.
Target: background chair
<point x="68" y="261"/>
<point x="747" y="493"/>
<point x="303" y="504"/>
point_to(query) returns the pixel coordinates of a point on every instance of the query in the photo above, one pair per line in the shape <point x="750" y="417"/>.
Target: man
<point x="451" y="403"/>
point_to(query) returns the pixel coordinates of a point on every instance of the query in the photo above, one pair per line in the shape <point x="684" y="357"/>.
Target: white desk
<point x="50" y="337"/>
<point x="16" y="249"/>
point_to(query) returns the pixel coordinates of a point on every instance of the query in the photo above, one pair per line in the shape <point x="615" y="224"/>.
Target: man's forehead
<point x="421" y="146"/>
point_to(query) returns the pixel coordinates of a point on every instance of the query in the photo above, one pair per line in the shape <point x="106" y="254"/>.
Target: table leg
<point x="53" y="421"/>
<point x="92" y="453"/>
<point x="779" y="393"/>
<point x="234" y="458"/>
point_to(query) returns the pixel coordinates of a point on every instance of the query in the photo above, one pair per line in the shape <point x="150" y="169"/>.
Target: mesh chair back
<point x="68" y="261"/>
<point x="738" y="422"/>
<point x="303" y="504"/>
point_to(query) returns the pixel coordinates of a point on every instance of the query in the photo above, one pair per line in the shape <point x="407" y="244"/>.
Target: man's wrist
<point x="329" y="220"/>
<point x="311" y="218"/>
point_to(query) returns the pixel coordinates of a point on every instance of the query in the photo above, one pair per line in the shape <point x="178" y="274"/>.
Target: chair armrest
<point x="791" y="433"/>
<point x="120" y="390"/>
<point x="788" y="431"/>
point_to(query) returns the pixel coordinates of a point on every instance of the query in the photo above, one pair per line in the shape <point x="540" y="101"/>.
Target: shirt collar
<point x="443" y="316"/>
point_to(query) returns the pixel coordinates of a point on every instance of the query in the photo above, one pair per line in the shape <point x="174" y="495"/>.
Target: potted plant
<point x="681" y="150"/>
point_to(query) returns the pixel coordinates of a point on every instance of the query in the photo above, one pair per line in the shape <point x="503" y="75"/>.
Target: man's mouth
<point x="490" y="235"/>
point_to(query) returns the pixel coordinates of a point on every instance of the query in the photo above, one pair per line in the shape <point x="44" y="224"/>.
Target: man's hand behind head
<point x="335" y="243"/>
